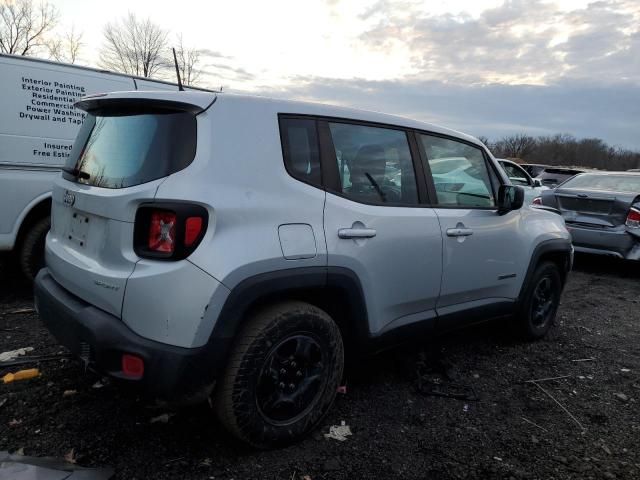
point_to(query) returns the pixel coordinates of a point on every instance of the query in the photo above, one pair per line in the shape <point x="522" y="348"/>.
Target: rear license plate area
<point x="78" y="228"/>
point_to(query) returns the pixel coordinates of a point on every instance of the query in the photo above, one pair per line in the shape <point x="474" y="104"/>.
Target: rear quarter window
<point x="300" y="149"/>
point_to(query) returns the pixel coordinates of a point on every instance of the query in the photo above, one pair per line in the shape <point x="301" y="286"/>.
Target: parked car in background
<point x="533" y="169"/>
<point x="518" y="176"/>
<point x="602" y="212"/>
<point x="239" y="263"/>
<point x="553" y="176"/>
<point x="38" y="123"/>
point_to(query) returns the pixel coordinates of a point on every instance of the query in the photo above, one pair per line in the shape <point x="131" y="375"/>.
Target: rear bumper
<point x="100" y="339"/>
<point x="611" y="241"/>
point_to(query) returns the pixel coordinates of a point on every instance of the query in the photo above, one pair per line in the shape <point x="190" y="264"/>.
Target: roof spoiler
<point x="102" y="100"/>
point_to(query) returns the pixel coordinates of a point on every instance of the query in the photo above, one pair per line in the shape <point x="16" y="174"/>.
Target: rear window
<point x="117" y="150"/>
<point x="613" y="183"/>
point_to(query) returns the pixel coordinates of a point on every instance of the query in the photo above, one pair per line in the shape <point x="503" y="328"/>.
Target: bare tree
<point x="516" y="146"/>
<point x="23" y="26"/>
<point x="564" y="149"/>
<point x="188" y="63"/>
<point x="66" y="48"/>
<point x="134" y="46"/>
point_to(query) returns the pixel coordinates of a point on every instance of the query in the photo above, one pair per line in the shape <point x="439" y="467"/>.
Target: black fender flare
<point x="285" y="284"/>
<point x="553" y="246"/>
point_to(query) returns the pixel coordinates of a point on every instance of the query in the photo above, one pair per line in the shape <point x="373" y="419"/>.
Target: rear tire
<point x="31" y="250"/>
<point x="540" y="303"/>
<point x="282" y="375"/>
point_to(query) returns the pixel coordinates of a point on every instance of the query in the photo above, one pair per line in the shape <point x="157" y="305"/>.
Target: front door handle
<point x="459" y="232"/>
<point x="356" y="233"/>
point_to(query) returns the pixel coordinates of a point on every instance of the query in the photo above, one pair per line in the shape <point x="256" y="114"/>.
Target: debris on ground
<point x="35" y="359"/>
<point x="621" y="396"/>
<point x="12" y="354"/>
<point x="71" y="456"/>
<point x="164" y="418"/>
<point x="339" y="432"/>
<point x="100" y="384"/>
<point x="21" y="467"/>
<point x="21" y="375"/>
<point x="68" y="393"/>
<point x="434" y="378"/>
<point x="20" y="311"/>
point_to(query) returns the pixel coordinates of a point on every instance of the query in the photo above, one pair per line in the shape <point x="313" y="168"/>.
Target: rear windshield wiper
<point x="76" y="173"/>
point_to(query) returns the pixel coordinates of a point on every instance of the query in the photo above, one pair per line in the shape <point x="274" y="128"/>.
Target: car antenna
<point x="175" y="62"/>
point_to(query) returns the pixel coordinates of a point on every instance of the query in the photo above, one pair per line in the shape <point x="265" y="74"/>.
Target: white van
<point x="38" y="124"/>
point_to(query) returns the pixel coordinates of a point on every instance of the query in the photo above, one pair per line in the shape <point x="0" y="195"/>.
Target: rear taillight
<point x="132" y="366"/>
<point x="193" y="228"/>
<point x="633" y="218"/>
<point x="169" y="231"/>
<point x="537" y="201"/>
<point x="162" y="232"/>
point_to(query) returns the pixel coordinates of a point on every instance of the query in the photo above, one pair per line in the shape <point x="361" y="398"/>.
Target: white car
<point x="533" y="188"/>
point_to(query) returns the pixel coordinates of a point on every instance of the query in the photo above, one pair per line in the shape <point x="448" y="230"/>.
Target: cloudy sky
<point x="486" y="67"/>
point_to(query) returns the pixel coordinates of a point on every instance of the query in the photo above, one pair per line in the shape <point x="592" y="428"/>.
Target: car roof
<point x="203" y="100"/>
<point x="612" y="173"/>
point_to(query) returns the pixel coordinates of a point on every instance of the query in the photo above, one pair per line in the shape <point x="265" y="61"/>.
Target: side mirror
<point x="510" y="197"/>
<point x="537" y="182"/>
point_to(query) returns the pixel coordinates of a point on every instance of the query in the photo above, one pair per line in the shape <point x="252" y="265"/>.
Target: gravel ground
<point x="585" y="425"/>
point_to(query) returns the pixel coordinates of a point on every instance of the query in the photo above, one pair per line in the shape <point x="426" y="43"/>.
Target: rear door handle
<point x="459" y="232"/>
<point x="356" y="233"/>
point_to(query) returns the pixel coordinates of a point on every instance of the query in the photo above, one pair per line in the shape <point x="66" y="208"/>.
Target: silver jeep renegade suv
<point x="213" y="245"/>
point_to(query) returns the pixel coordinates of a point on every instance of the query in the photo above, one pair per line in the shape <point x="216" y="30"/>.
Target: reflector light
<point x="192" y="230"/>
<point x="537" y="201"/>
<point x="132" y="366"/>
<point x="162" y="231"/>
<point x="633" y="219"/>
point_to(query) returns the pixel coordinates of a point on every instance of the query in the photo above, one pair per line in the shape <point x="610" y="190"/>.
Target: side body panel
<point x="399" y="269"/>
<point x="489" y="264"/>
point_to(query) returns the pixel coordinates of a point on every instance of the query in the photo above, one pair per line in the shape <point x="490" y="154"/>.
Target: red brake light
<point x="169" y="231"/>
<point x="193" y="227"/>
<point x="162" y="231"/>
<point x="633" y="218"/>
<point x="537" y="201"/>
<point x="132" y="366"/>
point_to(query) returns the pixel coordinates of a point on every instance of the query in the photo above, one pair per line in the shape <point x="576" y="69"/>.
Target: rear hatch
<point x="128" y="144"/>
<point x="552" y="177"/>
<point x="598" y="200"/>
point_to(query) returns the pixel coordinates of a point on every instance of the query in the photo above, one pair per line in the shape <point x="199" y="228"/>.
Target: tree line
<point x="565" y="150"/>
<point x="131" y="45"/>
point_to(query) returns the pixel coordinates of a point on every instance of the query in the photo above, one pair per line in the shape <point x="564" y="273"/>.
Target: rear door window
<point x="118" y="150"/>
<point x="374" y="164"/>
<point x="460" y="173"/>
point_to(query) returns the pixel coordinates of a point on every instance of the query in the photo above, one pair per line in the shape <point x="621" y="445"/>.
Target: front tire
<point x="540" y="303"/>
<point x="282" y="375"/>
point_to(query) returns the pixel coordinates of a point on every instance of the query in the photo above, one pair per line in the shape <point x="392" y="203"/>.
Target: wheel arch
<point x="38" y="208"/>
<point x="558" y="251"/>
<point x="335" y="290"/>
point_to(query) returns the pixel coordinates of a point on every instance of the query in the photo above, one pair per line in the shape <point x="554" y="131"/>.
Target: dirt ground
<point x="585" y="425"/>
